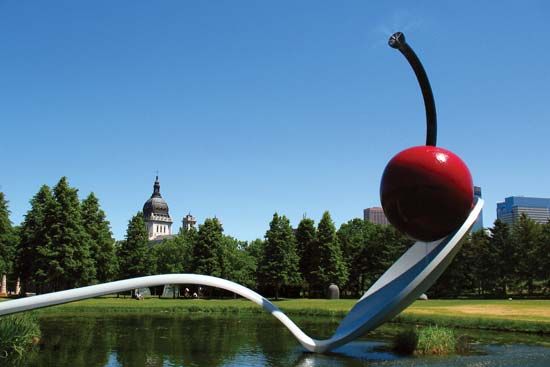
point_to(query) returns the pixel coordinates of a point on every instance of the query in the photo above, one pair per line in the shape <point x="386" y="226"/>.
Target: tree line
<point x="64" y="243"/>
<point x="501" y="262"/>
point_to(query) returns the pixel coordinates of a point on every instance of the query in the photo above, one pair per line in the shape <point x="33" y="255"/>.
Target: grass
<point x="18" y="333"/>
<point x="154" y="305"/>
<point x="429" y="340"/>
<point x="501" y="315"/>
<point x="436" y="340"/>
<point x="522" y="315"/>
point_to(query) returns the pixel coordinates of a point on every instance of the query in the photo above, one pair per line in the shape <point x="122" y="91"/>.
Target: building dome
<point x="156" y="205"/>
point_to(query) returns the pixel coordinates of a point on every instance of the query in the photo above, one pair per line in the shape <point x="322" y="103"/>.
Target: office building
<point x="375" y="215"/>
<point x="509" y="211"/>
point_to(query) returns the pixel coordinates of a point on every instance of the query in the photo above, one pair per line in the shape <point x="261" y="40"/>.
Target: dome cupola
<point x="156" y="206"/>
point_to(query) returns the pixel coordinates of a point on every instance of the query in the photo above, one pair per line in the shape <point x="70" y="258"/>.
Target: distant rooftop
<point x="525" y="201"/>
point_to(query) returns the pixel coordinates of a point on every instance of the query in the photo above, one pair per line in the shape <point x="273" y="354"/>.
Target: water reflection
<point x="236" y="340"/>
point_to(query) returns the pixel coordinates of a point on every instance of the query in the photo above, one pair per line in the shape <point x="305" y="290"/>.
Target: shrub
<point x="436" y="340"/>
<point x="18" y="333"/>
<point x="428" y="340"/>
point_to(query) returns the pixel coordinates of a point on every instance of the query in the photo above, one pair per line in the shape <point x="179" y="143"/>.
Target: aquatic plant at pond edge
<point x="434" y="340"/>
<point x="18" y="333"/>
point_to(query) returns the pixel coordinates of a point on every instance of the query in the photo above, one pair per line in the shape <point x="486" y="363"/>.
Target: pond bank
<point x="532" y="316"/>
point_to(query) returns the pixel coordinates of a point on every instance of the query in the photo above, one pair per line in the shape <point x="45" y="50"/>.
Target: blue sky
<point x="248" y="107"/>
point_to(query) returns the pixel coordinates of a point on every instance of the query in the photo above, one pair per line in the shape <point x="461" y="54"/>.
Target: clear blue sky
<point x="250" y="107"/>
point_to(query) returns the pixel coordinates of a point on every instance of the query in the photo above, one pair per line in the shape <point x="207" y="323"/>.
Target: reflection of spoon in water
<point x="410" y="276"/>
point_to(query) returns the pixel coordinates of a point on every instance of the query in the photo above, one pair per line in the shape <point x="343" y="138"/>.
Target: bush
<point x="436" y="340"/>
<point x="18" y="333"/>
<point x="428" y="340"/>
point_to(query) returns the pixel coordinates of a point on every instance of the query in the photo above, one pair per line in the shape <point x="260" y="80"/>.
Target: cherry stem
<point x="397" y="41"/>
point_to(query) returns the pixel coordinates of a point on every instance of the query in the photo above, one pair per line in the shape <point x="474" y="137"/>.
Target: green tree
<point x="134" y="255"/>
<point x="383" y="245"/>
<point x="481" y="261"/>
<point x="279" y="265"/>
<point x="102" y="243"/>
<point x="354" y="236"/>
<point x="8" y="238"/>
<point x="504" y="248"/>
<point x="239" y="265"/>
<point x="172" y="255"/>
<point x="486" y="267"/>
<point x="255" y="250"/>
<point x="394" y="243"/>
<point x="207" y="252"/>
<point x="331" y="267"/>
<point x="30" y="264"/>
<point x="543" y="256"/>
<point x="189" y="237"/>
<point x="306" y="241"/>
<point x="70" y="263"/>
<point x="526" y="235"/>
<point x="463" y="276"/>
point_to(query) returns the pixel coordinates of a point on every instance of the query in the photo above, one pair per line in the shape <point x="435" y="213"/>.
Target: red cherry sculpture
<point x="426" y="191"/>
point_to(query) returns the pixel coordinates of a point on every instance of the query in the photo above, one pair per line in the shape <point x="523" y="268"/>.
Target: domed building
<point x="157" y="216"/>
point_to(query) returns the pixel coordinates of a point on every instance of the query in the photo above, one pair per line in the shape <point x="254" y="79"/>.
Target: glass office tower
<point x="511" y="209"/>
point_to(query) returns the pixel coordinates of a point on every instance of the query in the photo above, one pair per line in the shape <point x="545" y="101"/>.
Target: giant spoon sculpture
<point x="426" y="191"/>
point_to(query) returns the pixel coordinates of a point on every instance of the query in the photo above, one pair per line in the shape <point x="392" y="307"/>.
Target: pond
<point x="247" y="340"/>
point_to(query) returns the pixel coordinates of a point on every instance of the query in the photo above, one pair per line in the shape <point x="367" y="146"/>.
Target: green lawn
<point x="521" y="310"/>
<point x="517" y="315"/>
